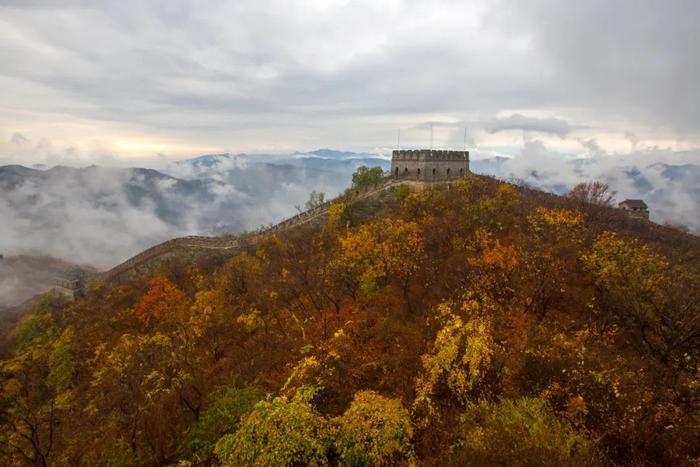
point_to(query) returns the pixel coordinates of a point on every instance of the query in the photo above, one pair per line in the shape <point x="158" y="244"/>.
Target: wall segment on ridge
<point x="233" y="242"/>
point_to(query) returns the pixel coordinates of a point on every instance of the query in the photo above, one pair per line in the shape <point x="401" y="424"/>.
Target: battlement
<point x="429" y="165"/>
<point x="429" y="155"/>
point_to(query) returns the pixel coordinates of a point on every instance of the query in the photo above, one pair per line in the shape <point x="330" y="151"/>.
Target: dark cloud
<point x="629" y="59"/>
<point x="554" y="126"/>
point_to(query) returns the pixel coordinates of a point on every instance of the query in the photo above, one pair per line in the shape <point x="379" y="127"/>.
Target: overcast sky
<point x="104" y="81"/>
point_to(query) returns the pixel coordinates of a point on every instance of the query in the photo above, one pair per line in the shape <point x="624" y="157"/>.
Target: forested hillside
<point x="482" y="325"/>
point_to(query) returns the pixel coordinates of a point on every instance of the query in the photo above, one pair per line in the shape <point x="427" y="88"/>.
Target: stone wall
<point x="428" y="165"/>
<point x="642" y="214"/>
<point x="233" y="242"/>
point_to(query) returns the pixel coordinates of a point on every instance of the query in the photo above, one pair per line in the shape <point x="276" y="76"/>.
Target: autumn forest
<point x="484" y="324"/>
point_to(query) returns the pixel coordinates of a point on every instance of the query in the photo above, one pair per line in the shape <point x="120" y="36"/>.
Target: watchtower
<point x="635" y="208"/>
<point x="70" y="283"/>
<point x="429" y="165"/>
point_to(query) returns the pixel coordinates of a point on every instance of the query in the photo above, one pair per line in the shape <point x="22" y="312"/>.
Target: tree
<point x="381" y="251"/>
<point x="597" y="193"/>
<point x="137" y="383"/>
<point x="316" y="199"/>
<point x="375" y="430"/>
<point x="648" y="295"/>
<point x="281" y="432"/>
<point x="461" y="355"/>
<point x="163" y="302"/>
<point x="555" y="238"/>
<point x="522" y="432"/>
<point x="40" y="367"/>
<point x="226" y="405"/>
<point x="365" y="176"/>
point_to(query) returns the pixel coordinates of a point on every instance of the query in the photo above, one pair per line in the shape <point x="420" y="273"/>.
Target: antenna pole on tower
<point x="398" y="144"/>
<point x="465" y="138"/>
<point x="431" y="136"/>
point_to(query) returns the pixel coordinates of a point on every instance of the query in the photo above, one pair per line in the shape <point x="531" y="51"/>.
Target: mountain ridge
<point x="423" y="317"/>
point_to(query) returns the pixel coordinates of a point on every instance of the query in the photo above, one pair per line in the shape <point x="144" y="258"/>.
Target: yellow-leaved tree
<point x="461" y="355"/>
<point x="375" y="430"/>
<point x="555" y="237"/>
<point x="381" y="252"/>
<point x="646" y="294"/>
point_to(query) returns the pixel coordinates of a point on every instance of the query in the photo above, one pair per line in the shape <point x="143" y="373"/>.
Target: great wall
<point x="232" y="242"/>
<point x="416" y="168"/>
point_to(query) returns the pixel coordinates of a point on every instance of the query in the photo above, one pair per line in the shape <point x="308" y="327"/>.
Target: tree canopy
<point x="365" y="176"/>
<point x="487" y="324"/>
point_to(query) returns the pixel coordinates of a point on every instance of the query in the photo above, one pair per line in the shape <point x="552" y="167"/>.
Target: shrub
<point x="523" y="432"/>
<point x="223" y="414"/>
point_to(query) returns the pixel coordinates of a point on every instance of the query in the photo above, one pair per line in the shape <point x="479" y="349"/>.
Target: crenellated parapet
<point x="429" y="155"/>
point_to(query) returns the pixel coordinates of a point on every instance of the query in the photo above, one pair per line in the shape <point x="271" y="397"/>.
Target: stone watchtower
<point x="428" y="165"/>
<point x="70" y="283"/>
<point x="635" y="208"/>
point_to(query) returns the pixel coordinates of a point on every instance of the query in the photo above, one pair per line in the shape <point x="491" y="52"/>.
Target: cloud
<point x="18" y="139"/>
<point x="257" y="75"/>
<point x="669" y="181"/>
<point x="554" y="126"/>
<point x="102" y="216"/>
<point x="631" y="60"/>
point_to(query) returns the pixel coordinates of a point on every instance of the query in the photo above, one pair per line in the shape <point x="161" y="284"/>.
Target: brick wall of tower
<point x="429" y="165"/>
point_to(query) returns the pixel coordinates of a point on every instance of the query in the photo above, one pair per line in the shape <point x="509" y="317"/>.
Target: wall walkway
<point x="233" y="242"/>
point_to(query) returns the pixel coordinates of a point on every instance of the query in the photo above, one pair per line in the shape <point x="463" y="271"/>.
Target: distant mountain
<point x="333" y="154"/>
<point x="489" y="166"/>
<point x="100" y="216"/>
<point x="341" y="163"/>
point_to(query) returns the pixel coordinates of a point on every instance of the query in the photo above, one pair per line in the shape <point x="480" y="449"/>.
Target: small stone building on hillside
<point x="635" y="208"/>
<point x="428" y="165"/>
<point x="70" y="283"/>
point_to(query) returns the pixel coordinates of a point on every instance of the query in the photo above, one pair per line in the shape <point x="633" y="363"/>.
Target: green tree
<point x="365" y="176"/>
<point x="523" y="432"/>
<point x="226" y="406"/>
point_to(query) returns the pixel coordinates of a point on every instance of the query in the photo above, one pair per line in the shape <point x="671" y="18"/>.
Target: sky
<point x="126" y="82"/>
